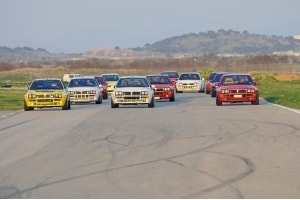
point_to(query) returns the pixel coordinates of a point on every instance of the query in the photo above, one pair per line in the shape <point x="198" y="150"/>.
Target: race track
<point x="189" y="148"/>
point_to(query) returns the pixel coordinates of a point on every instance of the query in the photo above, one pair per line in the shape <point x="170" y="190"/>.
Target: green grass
<point x="286" y="93"/>
<point x="11" y="98"/>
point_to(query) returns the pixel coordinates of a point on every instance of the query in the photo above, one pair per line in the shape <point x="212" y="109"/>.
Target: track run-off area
<point x="189" y="148"/>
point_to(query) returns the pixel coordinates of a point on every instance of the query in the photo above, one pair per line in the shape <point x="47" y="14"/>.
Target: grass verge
<point x="11" y="98"/>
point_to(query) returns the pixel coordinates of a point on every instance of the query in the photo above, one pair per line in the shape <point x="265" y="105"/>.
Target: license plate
<point x="237" y="96"/>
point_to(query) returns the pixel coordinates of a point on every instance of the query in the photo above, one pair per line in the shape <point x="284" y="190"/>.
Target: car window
<point x="82" y="82"/>
<point x="111" y="77"/>
<point x="132" y="82"/>
<point x="158" y="79"/>
<point x="171" y="74"/>
<point x="189" y="77"/>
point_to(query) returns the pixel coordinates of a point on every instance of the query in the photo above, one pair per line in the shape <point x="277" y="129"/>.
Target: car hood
<point x="189" y="81"/>
<point x="161" y="86"/>
<point x="132" y="89"/>
<point x="44" y="91"/>
<point x="238" y="87"/>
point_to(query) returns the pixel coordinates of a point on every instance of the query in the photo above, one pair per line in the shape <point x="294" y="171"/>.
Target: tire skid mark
<point x="250" y="168"/>
<point x="14" y="125"/>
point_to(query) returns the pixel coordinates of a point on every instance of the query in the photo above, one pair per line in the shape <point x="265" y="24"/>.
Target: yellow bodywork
<point x="41" y="98"/>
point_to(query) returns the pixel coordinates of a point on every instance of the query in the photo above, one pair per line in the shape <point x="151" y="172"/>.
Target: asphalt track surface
<point x="189" y="148"/>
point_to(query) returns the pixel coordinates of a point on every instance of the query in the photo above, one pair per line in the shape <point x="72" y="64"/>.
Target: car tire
<point x="113" y="105"/>
<point x="99" y="101"/>
<point x="151" y="104"/>
<point x="218" y="102"/>
<point x="105" y="95"/>
<point x="26" y="108"/>
<point x="172" y="98"/>
<point x="256" y="102"/>
<point x="67" y="105"/>
<point x="213" y="93"/>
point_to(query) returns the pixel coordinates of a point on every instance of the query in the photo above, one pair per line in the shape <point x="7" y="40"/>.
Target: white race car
<point x="132" y="90"/>
<point x="84" y="89"/>
<point x="190" y="82"/>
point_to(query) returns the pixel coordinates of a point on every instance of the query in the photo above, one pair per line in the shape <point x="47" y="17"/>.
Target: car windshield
<point x="132" y="82"/>
<point x="237" y="80"/>
<point x="100" y="80"/>
<point x="158" y="79"/>
<point x="109" y="77"/>
<point x="84" y="82"/>
<point x="171" y="74"/>
<point x="211" y="76"/>
<point x="46" y="85"/>
<point x="189" y="77"/>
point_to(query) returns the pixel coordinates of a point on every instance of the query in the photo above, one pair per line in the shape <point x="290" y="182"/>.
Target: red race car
<point x="209" y="82"/>
<point x="235" y="88"/>
<point x="102" y="85"/>
<point x="162" y="86"/>
<point x="173" y="75"/>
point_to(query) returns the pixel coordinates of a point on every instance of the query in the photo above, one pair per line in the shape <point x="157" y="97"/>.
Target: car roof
<point x="110" y="74"/>
<point x="132" y="77"/>
<point x="169" y="72"/>
<point x="158" y="75"/>
<point x="41" y="79"/>
<point x="190" y="73"/>
<point x="84" y="77"/>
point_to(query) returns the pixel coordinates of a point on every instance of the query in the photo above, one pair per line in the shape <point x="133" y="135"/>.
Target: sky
<point x="76" y="26"/>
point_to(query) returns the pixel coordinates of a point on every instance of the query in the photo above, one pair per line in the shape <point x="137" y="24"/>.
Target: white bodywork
<point x="132" y="95"/>
<point x="84" y="94"/>
<point x="190" y="85"/>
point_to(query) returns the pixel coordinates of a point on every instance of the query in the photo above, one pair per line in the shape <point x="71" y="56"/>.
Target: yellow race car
<point x="50" y="92"/>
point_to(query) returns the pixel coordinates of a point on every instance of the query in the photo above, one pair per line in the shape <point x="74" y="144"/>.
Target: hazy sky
<point x="75" y="26"/>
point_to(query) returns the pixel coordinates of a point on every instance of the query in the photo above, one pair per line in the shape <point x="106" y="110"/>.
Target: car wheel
<point x="151" y="104"/>
<point x="105" y="96"/>
<point x="69" y="105"/>
<point x="99" y="101"/>
<point x="114" y="105"/>
<point x="172" y="98"/>
<point x="66" y="105"/>
<point x="256" y="102"/>
<point x="26" y="108"/>
<point x="218" y="102"/>
<point x="213" y="93"/>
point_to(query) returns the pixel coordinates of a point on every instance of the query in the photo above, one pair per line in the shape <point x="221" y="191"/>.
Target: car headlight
<point x="166" y="89"/>
<point x="225" y="91"/>
<point x="58" y="95"/>
<point x="92" y="92"/>
<point x="31" y="96"/>
<point x="144" y="92"/>
<point x="250" y="90"/>
<point x="118" y="93"/>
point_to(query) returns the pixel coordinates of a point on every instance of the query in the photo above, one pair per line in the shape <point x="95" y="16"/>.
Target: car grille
<point x="242" y="91"/>
<point x="132" y="97"/>
<point x="189" y="85"/>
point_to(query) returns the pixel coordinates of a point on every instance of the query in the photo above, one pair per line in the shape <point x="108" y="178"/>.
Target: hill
<point x="222" y="41"/>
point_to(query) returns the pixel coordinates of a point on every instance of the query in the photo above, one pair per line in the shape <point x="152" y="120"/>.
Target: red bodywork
<point x="103" y="86"/>
<point x="208" y="83"/>
<point x="162" y="87"/>
<point x="173" y="76"/>
<point x="237" y="92"/>
<point x="163" y="91"/>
